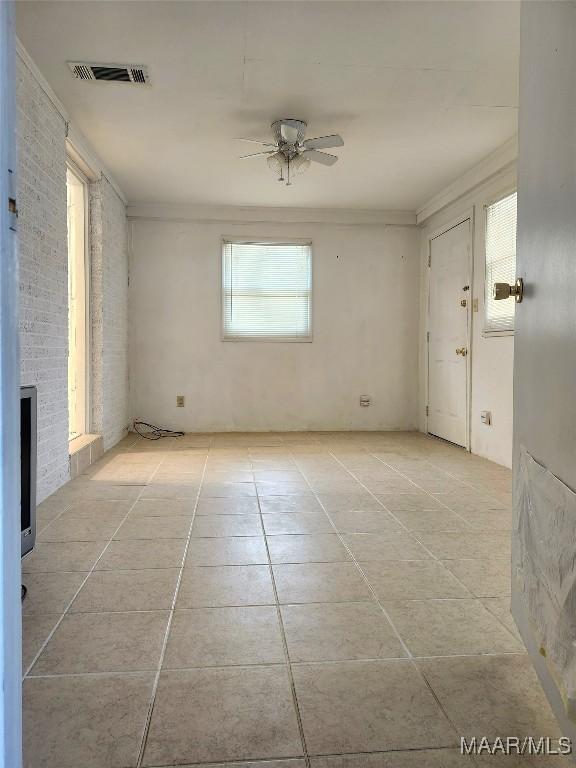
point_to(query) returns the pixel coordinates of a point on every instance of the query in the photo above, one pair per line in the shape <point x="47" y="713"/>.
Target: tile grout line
<point x="57" y="517"/>
<point x="288" y="664"/>
<point x="156" y="682"/>
<point x="265" y="762"/>
<point x="279" y="664"/>
<point x="75" y="595"/>
<point x="259" y="605"/>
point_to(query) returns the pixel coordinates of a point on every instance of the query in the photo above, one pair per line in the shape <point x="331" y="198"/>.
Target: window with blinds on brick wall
<point x="267" y="291"/>
<point x="500" y="263"/>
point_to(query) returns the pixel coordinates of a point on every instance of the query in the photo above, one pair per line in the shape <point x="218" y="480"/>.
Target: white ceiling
<point x="420" y="91"/>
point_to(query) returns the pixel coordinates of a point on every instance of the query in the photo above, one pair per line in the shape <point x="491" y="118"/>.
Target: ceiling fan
<point x="290" y="153"/>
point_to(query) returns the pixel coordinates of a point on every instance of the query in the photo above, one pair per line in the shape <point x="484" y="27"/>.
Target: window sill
<point x="83" y="451"/>
<point x="496" y="334"/>
<point x="273" y="339"/>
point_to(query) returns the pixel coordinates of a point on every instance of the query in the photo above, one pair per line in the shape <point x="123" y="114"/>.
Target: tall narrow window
<point x="77" y="305"/>
<point x="500" y="262"/>
<point x="267" y="289"/>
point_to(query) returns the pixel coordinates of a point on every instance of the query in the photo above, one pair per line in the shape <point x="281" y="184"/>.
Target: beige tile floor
<point x="277" y="600"/>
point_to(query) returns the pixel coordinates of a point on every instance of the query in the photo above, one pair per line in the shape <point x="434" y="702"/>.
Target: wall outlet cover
<point x="180" y="401"/>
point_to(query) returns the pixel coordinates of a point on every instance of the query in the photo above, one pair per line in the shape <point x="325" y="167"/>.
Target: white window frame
<point x="487" y="332"/>
<point x="86" y="393"/>
<point x="270" y="241"/>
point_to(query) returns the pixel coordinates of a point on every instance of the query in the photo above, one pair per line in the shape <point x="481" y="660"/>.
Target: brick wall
<point x="109" y="302"/>
<point x="44" y="286"/>
<point x="43" y="272"/>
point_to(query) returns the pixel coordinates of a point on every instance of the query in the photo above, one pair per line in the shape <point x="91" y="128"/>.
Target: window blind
<point x="267" y="291"/>
<point x="500" y="262"/>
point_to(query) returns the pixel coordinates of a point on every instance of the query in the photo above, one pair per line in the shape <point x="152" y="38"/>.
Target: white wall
<point x="491" y="357"/>
<point x="42" y="128"/>
<point x="365" y="309"/>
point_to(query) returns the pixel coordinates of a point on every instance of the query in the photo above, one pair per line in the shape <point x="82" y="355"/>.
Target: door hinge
<point x="428" y="336"/>
<point x="12" y="205"/>
<point x="429" y="259"/>
<point x="427" y="410"/>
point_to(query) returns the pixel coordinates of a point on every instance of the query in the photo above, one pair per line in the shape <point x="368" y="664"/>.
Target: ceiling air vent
<point x="110" y="73"/>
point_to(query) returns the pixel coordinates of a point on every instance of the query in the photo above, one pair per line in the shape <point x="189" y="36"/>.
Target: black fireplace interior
<point x="27" y="468"/>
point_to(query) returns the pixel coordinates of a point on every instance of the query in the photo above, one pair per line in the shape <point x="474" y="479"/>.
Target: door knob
<point x="462" y="351"/>
<point x="505" y="291"/>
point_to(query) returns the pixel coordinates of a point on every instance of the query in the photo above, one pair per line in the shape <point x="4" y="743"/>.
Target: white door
<point x="544" y="468"/>
<point x="448" y="311"/>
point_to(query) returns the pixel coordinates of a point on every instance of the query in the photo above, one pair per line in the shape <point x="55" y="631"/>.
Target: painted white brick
<point x="109" y="302"/>
<point x="43" y="273"/>
<point x="44" y="286"/>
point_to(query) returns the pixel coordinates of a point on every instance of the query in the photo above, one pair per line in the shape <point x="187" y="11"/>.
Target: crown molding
<point x="270" y="215"/>
<point x="502" y="158"/>
<point x="77" y="146"/>
<point x="23" y="54"/>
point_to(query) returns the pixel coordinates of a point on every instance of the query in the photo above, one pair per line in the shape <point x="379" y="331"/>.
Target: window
<point x="77" y="305"/>
<point x="267" y="290"/>
<point x="500" y="262"/>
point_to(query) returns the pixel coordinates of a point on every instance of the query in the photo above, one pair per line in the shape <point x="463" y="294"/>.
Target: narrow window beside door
<point x="267" y="291"/>
<point x="77" y="305"/>
<point x="500" y="262"/>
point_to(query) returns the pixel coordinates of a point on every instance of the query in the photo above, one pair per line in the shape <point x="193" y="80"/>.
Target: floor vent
<point x="110" y="73"/>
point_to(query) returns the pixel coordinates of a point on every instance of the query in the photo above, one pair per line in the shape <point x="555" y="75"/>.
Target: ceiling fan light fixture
<point x="293" y="153"/>
<point x="299" y="165"/>
<point x="276" y="162"/>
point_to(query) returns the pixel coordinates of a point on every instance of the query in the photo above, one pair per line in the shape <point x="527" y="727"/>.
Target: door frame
<point x="87" y="267"/>
<point x="467" y="215"/>
<point x="10" y="568"/>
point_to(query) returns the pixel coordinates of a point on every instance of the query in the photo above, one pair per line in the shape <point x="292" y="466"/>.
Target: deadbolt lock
<point x="505" y="291"/>
<point x="462" y="351"/>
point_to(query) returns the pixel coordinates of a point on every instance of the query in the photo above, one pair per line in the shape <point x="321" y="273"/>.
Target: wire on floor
<point x="151" y="432"/>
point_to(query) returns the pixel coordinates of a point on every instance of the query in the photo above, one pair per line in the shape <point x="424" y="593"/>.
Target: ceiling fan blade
<point x="258" y="154"/>
<point x="257" y="141"/>
<point x="324" y="142"/>
<point x="319" y="157"/>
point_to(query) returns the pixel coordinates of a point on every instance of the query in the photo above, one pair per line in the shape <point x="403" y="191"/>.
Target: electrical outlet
<point x="179" y="401"/>
<point x="364" y="401"/>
